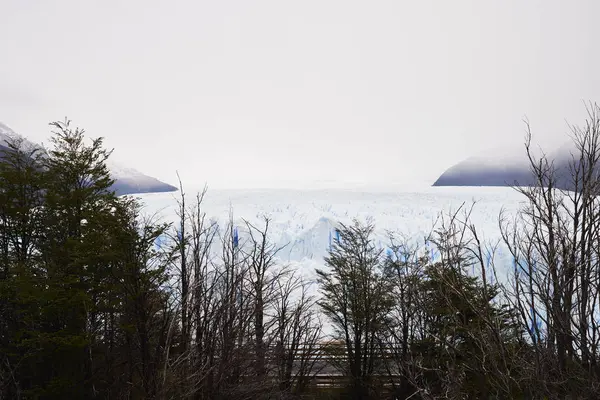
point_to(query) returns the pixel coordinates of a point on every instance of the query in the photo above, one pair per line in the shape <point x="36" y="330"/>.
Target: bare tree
<point x="404" y="268"/>
<point x="260" y="256"/>
<point x="450" y="335"/>
<point x="554" y="241"/>
<point x="298" y="333"/>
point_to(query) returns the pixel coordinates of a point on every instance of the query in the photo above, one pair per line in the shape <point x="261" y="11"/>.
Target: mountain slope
<point x="506" y="171"/>
<point x="478" y="171"/>
<point x="128" y="180"/>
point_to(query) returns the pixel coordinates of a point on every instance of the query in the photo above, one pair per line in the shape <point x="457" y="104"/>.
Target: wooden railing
<point x="326" y="374"/>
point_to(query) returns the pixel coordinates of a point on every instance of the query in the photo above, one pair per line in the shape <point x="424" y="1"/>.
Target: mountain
<point x="479" y="171"/>
<point x="506" y="170"/>
<point x="128" y="180"/>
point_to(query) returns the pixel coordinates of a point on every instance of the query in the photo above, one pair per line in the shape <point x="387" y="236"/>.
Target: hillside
<point x="503" y="170"/>
<point x="128" y="180"/>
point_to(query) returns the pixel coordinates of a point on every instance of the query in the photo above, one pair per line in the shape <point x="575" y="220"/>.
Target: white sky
<point x="263" y="92"/>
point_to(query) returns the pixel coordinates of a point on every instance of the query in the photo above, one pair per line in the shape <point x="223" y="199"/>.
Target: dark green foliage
<point x="421" y="329"/>
<point x="466" y="337"/>
<point x="81" y="289"/>
<point x="356" y="296"/>
<point x="89" y="308"/>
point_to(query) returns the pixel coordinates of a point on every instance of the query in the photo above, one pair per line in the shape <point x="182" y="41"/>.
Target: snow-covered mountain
<point x="305" y="220"/>
<point x="128" y="180"/>
<point x="6" y="134"/>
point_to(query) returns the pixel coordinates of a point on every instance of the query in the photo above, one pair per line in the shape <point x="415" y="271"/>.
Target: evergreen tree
<point x="356" y="297"/>
<point x="21" y="197"/>
<point x="77" y="200"/>
<point x="84" y="306"/>
<point x="467" y="337"/>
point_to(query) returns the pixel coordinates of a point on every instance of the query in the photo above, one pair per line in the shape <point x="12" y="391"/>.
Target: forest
<point x="92" y="308"/>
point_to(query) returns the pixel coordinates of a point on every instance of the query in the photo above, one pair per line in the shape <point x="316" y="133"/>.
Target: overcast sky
<point x="265" y="92"/>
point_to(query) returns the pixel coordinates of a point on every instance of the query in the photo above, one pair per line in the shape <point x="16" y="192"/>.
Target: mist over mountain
<point x="508" y="168"/>
<point x="128" y="180"/>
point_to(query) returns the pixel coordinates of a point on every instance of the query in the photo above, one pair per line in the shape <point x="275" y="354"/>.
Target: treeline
<point x="91" y="307"/>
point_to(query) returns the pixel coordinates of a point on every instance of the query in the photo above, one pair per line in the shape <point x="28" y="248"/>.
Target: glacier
<point x="305" y="220"/>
